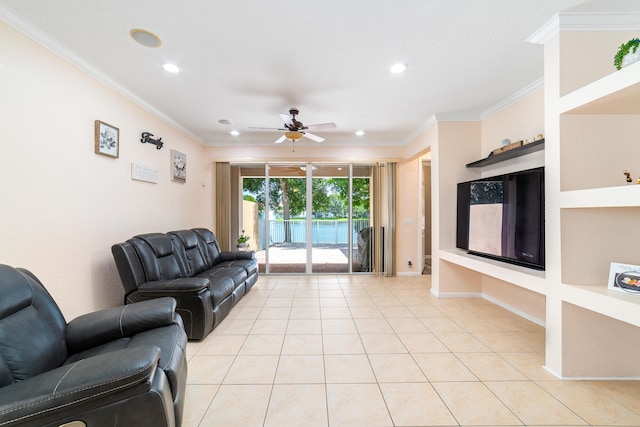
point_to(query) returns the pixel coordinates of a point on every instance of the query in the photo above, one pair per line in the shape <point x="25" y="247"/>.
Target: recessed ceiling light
<point x="234" y="133"/>
<point x="224" y="122"/>
<point x="398" y="68"/>
<point x="360" y="132"/>
<point x="145" y="38"/>
<point x="171" y="68"/>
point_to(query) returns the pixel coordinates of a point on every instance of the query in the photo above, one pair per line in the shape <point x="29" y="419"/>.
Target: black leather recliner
<point x="124" y="366"/>
<point x="189" y="266"/>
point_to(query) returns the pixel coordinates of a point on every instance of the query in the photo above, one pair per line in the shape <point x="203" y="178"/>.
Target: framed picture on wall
<point x="107" y="139"/>
<point x="178" y="166"/>
<point x="624" y="278"/>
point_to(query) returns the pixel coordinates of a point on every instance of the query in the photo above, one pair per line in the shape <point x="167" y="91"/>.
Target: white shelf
<point x="617" y="305"/>
<point x="621" y="196"/>
<point x="523" y="277"/>
<point x="617" y="93"/>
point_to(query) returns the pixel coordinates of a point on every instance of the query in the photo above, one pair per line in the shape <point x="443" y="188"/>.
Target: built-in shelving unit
<point x="620" y="196"/>
<point x="599" y="213"/>
<point x="616" y="305"/>
<point x="531" y="147"/>
<point x="597" y="127"/>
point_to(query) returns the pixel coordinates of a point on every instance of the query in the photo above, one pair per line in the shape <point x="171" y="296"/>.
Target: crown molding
<point x="458" y="117"/>
<point x="512" y="99"/>
<point x="45" y="40"/>
<point x="431" y="121"/>
<point x="586" y="21"/>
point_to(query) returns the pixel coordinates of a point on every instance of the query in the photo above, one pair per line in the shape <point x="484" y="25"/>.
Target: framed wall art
<point x="178" y="166"/>
<point x="107" y="139"/>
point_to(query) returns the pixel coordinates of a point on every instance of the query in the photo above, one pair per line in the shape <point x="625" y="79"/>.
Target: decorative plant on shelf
<point x="242" y="239"/>
<point x="629" y="47"/>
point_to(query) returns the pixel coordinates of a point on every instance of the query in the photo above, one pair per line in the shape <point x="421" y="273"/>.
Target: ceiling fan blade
<point x="281" y="139"/>
<point x="322" y="126"/>
<point x="261" y="128"/>
<point x="286" y="119"/>
<point x="313" y="137"/>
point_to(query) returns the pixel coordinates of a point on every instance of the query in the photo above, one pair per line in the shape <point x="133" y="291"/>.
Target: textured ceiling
<point x="247" y="61"/>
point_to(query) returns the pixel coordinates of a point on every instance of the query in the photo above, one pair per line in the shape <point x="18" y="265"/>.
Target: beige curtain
<point x="223" y="203"/>
<point x="385" y="217"/>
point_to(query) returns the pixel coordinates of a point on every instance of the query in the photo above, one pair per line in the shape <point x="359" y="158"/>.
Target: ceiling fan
<point x="294" y="129"/>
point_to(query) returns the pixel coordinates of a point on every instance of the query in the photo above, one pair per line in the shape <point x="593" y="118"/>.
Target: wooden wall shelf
<point x="532" y="147"/>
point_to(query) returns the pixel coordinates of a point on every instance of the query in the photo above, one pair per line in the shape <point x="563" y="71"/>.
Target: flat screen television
<point x="502" y="217"/>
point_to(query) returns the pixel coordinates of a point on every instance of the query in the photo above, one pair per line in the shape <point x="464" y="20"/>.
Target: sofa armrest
<point x="93" y="329"/>
<point x="75" y="384"/>
<point x="234" y="255"/>
<point x="175" y="287"/>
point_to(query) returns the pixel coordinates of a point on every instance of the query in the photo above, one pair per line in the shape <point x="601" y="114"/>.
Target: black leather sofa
<point x="189" y="266"/>
<point x="124" y="366"/>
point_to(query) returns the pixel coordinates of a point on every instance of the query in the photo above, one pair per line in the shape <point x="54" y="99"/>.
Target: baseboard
<point x="491" y="299"/>
<point x="408" y="273"/>
<point x="456" y="294"/>
<point x="515" y="310"/>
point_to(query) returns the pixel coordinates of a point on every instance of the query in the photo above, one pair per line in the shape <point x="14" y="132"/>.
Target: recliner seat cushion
<point x="237" y="274"/>
<point x="249" y="265"/>
<point x="221" y="287"/>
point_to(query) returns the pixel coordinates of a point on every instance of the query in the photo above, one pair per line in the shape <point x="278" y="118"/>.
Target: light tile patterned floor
<point x="369" y="351"/>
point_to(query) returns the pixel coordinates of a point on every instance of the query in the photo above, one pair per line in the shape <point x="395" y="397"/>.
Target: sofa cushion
<point x="157" y="256"/>
<point x="186" y="245"/>
<point x="159" y="243"/>
<point x="208" y="245"/>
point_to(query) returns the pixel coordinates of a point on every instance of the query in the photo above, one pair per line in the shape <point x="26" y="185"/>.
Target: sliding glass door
<point x="330" y="219"/>
<point x="310" y="218"/>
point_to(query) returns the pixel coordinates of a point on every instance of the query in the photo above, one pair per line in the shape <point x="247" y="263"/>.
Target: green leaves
<point x="624" y="49"/>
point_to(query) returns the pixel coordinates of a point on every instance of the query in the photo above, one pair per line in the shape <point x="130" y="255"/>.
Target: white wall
<point x="63" y="206"/>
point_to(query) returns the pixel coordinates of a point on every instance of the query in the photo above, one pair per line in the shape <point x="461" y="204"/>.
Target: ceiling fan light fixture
<point x="293" y="135"/>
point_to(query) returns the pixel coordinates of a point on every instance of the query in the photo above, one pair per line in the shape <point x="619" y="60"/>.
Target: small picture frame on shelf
<point x="624" y="278"/>
<point x="107" y="139"/>
<point x="178" y="166"/>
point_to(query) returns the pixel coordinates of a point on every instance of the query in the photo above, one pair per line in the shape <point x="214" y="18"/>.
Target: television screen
<point x="502" y="217"/>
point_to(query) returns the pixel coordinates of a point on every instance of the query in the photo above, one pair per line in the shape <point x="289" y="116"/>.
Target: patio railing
<point x="329" y="232"/>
